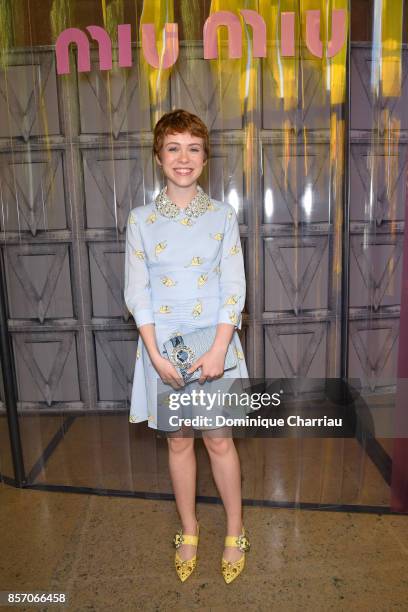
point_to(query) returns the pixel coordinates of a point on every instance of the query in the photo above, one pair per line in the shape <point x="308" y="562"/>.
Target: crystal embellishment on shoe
<point x="230" y="570"/>
<point x="185" y="567"/>
<point x="178" y="539"/>
<point x="243" y="543"/>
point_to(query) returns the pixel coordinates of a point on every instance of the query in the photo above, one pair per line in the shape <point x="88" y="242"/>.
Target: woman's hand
<point x="211" y="364"/>
<point x="167" y="372"/>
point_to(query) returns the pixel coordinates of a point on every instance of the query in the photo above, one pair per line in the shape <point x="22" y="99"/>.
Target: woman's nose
<point x="183" y="157"/>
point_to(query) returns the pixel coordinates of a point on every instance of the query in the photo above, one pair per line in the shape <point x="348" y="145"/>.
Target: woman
<point x="184" y="270"/>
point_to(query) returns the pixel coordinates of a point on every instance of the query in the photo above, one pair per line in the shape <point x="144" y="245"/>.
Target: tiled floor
<point x="113" y="553"/>
<point x="106" y="452"/>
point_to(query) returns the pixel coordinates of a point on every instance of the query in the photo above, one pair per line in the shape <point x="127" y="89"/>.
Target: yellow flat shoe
<point x="185" y="568"/>
<point x="230" y="570"/>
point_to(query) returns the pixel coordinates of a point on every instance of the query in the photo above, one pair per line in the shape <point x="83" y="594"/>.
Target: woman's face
<point x="182" y="158"/>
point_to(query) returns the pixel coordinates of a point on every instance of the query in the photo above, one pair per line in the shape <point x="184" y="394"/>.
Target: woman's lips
<point x="183" y="171"/>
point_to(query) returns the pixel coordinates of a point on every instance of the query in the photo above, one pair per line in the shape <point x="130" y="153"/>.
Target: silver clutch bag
<point x="183" y="350"/>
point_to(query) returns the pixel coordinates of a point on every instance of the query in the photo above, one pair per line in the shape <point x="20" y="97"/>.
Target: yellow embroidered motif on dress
<point x="232" y="299"/>
<point x="238" y="353"/>
<point x="151" y="218"/>
<point x="217" y="270"/>
<point x="229" y="214"/>
<point x="195" y="261"/>
<point x="212" y="207"/>
<point x="139" y="254"/>
<point x="137" y="354"/>
<point x="132" y="219"/>
<point x="233" y="317"/>
<point x="197" y="310"/>
<point x="164" y="309"/>
<point x="217" y="236"/>
<point x="166" y="400"/>
<point x="160" y="247"/>
<point x="234" y="250"/>
<point x="168" y="282"/>
<point x="187" y="222"/>
<point x="202" y="280"/>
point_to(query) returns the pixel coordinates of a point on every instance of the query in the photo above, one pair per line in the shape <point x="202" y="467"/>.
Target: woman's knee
<point x="180" y="445"/>
<point x="218" y="446"/>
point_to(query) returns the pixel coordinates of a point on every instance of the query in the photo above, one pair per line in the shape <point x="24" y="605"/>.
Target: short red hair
<point x="176" y="122"/>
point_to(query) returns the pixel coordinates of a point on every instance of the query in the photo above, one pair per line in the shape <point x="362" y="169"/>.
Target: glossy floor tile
<point x="106" y="452"/>
<point x="113" y="553"/>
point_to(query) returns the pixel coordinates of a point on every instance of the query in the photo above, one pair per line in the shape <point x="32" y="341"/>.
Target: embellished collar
<point x="198" y="205"/>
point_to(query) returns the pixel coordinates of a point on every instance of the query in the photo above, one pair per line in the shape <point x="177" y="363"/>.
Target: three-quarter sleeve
<point x="232" y="273"/>
<point x="137" y="292"/>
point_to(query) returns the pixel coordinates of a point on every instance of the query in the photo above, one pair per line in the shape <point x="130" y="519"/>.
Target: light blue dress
<point x="181" y="274"/>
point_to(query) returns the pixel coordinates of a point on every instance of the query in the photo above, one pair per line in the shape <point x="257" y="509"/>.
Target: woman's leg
<point x="182" y="465"/>
<point x="227" y="475"/>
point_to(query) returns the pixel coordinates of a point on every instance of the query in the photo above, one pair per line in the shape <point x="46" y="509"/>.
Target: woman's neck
<point x="181" y="196"/>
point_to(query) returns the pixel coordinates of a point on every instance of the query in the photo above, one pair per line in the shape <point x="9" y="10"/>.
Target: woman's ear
<point x="157" y="158"/>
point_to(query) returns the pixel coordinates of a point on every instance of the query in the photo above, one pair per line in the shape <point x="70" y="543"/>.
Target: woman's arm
<point x="212" y="362"/>
<point x="139" y="302"/>
<point x="137" y="291"/>
<point x="163" y="366"/>
<point x="232" y="300"/>
<point x="232" y="274"/>
<point x="148" y="334"/>
<point x="223" y="337"/>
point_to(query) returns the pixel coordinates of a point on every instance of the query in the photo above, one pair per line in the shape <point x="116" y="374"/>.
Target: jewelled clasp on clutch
<point x="182" y="356"/>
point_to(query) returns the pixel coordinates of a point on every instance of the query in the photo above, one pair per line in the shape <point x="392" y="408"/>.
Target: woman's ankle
<point x="190" y="527"/>
<point x="234" y="527"/>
